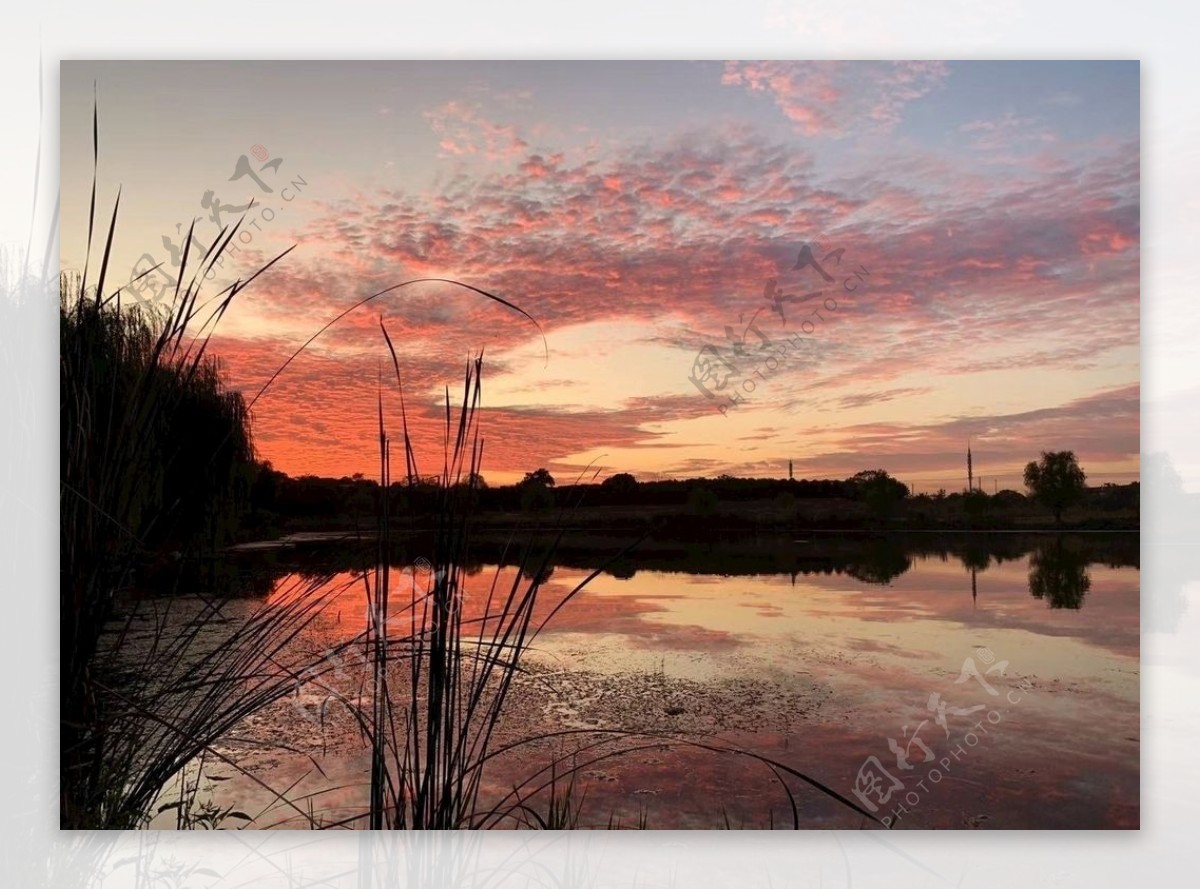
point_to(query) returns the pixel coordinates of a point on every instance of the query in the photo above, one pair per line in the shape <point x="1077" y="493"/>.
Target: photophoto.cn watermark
<point x="716" y="369"/>
<point x="151" y="278"/>
<point x="899" y="791"/>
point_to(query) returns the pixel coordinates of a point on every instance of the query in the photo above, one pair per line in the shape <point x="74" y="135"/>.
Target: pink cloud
<point x="464" y="130"/>
<point x="831" y="98"/>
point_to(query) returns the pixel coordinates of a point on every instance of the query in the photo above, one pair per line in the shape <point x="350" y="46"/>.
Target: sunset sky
<point x="638" y="211"/>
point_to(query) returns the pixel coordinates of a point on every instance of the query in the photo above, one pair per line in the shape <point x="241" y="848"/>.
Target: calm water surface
<point x="977" y="687"/>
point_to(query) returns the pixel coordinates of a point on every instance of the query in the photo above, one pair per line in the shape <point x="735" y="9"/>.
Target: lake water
<point x="982" y="682"/>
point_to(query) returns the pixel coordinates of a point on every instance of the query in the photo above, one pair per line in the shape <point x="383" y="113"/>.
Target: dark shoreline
<point x="874" y="557"/>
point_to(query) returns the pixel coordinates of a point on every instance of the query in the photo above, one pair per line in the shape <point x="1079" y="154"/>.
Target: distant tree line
<point x="1055" y="486"/>
<point x="275" y="492"/>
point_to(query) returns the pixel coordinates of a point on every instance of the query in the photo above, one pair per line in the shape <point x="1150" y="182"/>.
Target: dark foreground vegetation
<point x="156" y="462"/>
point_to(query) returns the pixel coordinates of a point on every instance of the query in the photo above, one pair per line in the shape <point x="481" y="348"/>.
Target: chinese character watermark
<point x="875" y="785"/>
<point x="152" y="279"/>
<point x="715" y="367"/>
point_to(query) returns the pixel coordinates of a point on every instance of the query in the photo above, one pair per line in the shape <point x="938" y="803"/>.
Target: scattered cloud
<point x="833" y="98"/>
<point x="463" y="129"/>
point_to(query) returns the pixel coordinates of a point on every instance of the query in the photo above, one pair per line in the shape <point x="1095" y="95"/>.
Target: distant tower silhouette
<point x="970" y="468"/>
<point x="790" y="476"/>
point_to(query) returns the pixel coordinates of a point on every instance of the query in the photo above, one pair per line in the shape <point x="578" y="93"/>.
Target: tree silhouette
<point x="1058" y="574"/>
<point x="539" y="574"/>
<point x="535" y="490"/>
<point x="879" y="562"/>
<point x="1056" y="481"/>
<point x="621" y="483"/>
<point x="540" y="476"/>
<point x="975" y="556"/>
<point x="880" y="491"/>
